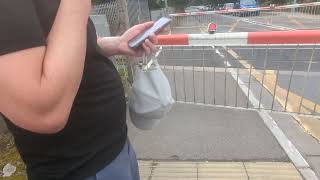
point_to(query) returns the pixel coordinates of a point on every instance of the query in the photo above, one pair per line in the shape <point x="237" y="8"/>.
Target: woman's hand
<point x="148" y="46"/>
<point x="120" y="45"/>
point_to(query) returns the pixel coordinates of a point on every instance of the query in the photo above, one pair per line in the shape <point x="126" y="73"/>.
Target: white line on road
<point x="226" y="63"/>
<point x="267" y="25"/>
<point x="220" y="54"/>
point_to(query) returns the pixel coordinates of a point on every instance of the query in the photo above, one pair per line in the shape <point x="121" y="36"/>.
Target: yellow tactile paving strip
<point x="181" y="170"/>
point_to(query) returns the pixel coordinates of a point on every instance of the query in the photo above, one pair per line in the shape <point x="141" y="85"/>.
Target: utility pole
<point x="294" y="9"/>
<point x="123" y="25"/>
<point x="123" y="17"/>
<point x="166" y="7"/>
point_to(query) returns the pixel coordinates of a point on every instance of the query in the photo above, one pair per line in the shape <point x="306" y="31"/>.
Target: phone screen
<point x="158" y="25"/>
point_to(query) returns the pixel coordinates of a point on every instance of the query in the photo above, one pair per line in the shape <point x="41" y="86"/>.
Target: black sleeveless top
<point x="96" y="130"/>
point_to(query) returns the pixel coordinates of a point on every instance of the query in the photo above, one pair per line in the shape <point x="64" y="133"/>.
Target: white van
<point x="228" y="6"/>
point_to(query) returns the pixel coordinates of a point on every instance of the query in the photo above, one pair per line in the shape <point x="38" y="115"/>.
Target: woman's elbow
<point x="54" y="118"/>
<point x="47" y="123"/>
<point x="53" y="124"/>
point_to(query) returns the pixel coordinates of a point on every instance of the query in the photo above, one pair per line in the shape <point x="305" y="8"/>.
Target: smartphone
<point x="158" y="25"/>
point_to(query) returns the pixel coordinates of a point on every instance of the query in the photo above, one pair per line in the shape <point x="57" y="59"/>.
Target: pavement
<point x="308" y="146"/>
<point x="193" y="132"/>
<point x="206" y="142"/>
<point x="211" y="125"/>
<point x="189" y="170"/>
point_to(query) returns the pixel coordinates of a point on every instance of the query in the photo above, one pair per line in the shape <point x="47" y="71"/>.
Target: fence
<point x="299" y="16"/>
<point x="157" y="14"/>
<point x="275" y="71"/>
<point x="138" y="11"/>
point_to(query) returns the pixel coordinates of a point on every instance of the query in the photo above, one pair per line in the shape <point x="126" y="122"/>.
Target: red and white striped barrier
<point x="243" y="38"/>
<point x="267" y="8"/>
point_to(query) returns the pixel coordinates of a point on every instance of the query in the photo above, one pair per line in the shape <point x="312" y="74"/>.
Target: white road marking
<point x="267" y="25"/>
<point x="226" y="63"/>
<point x="219" y="53"/>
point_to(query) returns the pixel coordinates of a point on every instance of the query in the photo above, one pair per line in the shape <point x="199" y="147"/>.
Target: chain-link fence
<point x="106" y="13"/>
<point x="108" y="20"/>
<point x="157" y="14"/>
<point x="138" y="11"/>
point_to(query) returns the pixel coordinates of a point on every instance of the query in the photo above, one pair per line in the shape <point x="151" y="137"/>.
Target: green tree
<point x="156" y="4"/>
<point x="98" y="1"/>
<point x="179" y="5"/>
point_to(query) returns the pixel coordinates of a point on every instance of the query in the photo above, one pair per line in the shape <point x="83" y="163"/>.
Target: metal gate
<point x="276" y="71"/>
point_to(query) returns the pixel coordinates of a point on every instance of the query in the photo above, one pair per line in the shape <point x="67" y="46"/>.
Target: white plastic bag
<point x="150" y="98"/>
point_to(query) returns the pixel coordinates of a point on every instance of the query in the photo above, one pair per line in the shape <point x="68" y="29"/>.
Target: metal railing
<point x="276" y="76"/>
<point x="274" y="71"/>
<point x="290" y="17"/>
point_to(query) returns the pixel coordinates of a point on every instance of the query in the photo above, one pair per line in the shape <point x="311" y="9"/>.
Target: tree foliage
<point x="98" y="1"/>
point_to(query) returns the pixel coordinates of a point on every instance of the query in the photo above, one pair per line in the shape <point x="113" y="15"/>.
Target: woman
<point x="62" y="98"/>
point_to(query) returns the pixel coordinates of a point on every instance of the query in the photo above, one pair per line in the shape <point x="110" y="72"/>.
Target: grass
<point x="122" y="67"/>
<point x="9" y="154"/>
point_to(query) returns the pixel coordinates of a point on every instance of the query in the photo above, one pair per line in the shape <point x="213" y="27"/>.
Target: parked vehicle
<point x="219" y="7"/>
<point x="246" y="4"/>
<point x="228" y="6"/>
<point x="196" y="9"/>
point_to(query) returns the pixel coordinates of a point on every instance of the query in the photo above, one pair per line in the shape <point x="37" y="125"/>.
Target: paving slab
<point x="306" y="144"/>
<point x="314" y="162"/>
<point x="192" y="132"/>
<point x="272" y="170"/>
<point x="311" y="125"/>
<point x="204" y="170"/>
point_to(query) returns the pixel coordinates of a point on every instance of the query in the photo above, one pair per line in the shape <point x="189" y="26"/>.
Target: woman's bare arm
<point x="38" y="85"/>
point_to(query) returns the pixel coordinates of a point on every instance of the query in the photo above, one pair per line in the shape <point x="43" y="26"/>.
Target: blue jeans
<point x="124" y="167"/>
